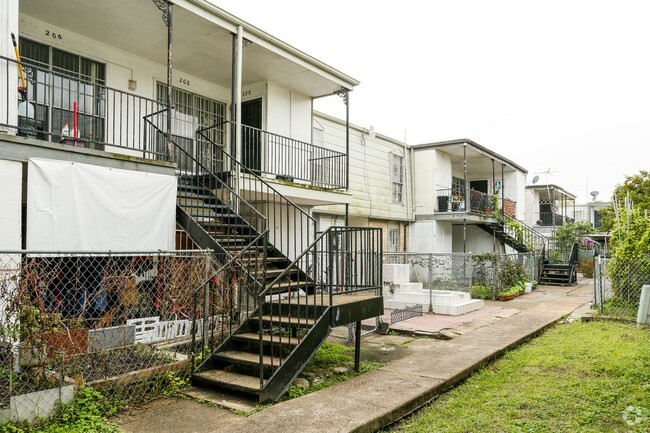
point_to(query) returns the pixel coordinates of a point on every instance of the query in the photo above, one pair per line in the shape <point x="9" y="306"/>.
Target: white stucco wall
<point x="11" y="187"/>
<point x="477" y="240"/>
<point x="429" y="236"/>
<point x="432" y="173"/>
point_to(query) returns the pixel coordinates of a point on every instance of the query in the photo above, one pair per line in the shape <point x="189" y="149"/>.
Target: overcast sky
<point x="562" y="88"/>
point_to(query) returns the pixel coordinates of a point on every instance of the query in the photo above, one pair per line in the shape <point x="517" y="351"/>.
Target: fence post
<point x="430" y="282"/>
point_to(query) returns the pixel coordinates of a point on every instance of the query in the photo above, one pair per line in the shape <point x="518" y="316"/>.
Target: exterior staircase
<point x="557" y="274"/>
<point x="515" y="234"/>
<point x="271" y="304"/>
<point x="561" y="273"/>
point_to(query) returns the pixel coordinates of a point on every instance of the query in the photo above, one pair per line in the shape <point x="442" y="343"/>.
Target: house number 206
<point x="54" y="35"/>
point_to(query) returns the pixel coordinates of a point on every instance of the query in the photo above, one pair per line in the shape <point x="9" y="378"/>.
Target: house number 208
<point x="54" y="35"/>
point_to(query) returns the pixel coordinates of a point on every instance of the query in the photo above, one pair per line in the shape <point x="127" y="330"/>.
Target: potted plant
<point x="508" y="294"/>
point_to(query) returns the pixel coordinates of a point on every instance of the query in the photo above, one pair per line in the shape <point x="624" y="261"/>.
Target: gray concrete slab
<point x="371" y="401"/>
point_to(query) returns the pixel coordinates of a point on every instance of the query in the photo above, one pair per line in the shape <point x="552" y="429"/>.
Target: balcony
<point x="550" y="219"/>
<point x="98" y="117"/>
<point x="452" y="200"/>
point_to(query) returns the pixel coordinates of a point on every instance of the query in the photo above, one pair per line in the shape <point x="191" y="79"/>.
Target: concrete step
<point x="446" y="302"/>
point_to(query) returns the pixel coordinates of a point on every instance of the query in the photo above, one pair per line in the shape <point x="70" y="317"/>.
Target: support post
<point x="170" y="93"/>
<point x="238" y="80"/>
<point x="357" y="346"/>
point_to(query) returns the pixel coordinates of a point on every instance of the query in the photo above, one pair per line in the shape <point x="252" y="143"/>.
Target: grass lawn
<point x="579" y="377"/>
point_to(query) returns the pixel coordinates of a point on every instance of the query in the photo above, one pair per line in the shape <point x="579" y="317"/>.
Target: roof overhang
<point x="478" y="157"/>
<point x="202" y="36"/>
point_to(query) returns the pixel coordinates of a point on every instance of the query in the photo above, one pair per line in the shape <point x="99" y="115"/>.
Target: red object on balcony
<point x="509" y="207"/>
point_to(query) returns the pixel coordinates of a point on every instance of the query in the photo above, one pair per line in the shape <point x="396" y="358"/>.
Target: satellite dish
<point x="535" y="179"/>
<point x="593" y="195"/>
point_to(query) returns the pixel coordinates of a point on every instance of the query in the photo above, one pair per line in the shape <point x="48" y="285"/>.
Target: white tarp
<point x="81" y="207"/>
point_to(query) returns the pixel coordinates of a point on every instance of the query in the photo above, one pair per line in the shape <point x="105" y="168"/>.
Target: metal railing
<point x="118" y="322"/>
<point x="289" y="159"/>
<point x="226" y="299"/>
<point x="105" y="117"/>
<point x="547" y="219"/>
<point x="523" y="234"/>
<point x="454" y="200"/>
<point x="618" y="283"/>
<point x="294" y="229"/>
<point x="342" y="263"/>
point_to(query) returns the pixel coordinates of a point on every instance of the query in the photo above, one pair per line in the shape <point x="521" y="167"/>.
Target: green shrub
<point x="586" y="267"/>
<point x="511" y="274"/>
<point x="482" y="292"/>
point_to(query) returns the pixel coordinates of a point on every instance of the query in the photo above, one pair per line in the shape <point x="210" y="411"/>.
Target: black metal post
<point x="170" y="94"/>
<point x="233" y="95"/>
<point x="347" y="139"/>
<point x="357" y="346"/>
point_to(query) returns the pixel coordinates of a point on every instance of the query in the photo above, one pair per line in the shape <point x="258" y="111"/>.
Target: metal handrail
<point x="262" y="191"/>
<point x="110" y="117"/>
<point x="289" y="158"/>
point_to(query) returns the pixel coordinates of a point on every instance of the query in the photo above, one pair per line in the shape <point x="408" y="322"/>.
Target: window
<point x="192" y="112"/>
<point x="398" y="177"/>
<point x="62" y="81"/>
<point x="457" y="186"/>
<point x="393" y="239"/>
<point x="597" y="219"/>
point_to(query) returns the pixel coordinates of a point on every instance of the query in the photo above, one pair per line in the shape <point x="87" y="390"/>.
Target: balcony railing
<point x="110" y="119"/>
<point x="548" y="219"/>
<point x="289" y="159"/>
<point x="104" y="117"/>
<point x="454" y="200"/>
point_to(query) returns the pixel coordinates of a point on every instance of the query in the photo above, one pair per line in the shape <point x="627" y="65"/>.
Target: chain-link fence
<point x="482" y="275"/>
<point x="120" y="323"/>
<point x="618" y="283"/>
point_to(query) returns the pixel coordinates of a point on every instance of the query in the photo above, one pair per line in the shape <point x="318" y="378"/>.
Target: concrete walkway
<point x="373" y="400"/>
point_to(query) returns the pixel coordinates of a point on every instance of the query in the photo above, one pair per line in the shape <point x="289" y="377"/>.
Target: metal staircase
<point x="516" y="234"/>
<point x="561" y="273"/>
<point x="263" y="314"/>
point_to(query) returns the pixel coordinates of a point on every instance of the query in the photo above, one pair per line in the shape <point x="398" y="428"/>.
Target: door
<point x="251" y="115"/>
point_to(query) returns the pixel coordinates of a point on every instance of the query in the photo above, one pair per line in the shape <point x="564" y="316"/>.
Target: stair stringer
<point x="275" y="386"/>
<point x="504" y="237"/>
<point x="198" y="233"/>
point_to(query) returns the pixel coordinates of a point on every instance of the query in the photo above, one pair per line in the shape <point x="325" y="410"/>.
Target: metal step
<point x="246" y="358"/>
<point x="288" y="321"/>
<point x="230" y="380"/>
<point x="284" y="286"/>
<point x="251" y="337"/>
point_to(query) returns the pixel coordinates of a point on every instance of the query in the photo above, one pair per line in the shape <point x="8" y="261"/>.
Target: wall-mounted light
<point x="133" y="85"/>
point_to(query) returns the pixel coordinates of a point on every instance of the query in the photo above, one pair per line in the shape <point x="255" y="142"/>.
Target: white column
<point x="8" y="70"/>
<point x="238" y="86"/>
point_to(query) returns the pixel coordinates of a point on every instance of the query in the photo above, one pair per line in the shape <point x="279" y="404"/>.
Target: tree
<point x="630" y="268"/>
<point x="638" y="188"/>
<point x="569" y="233"/>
